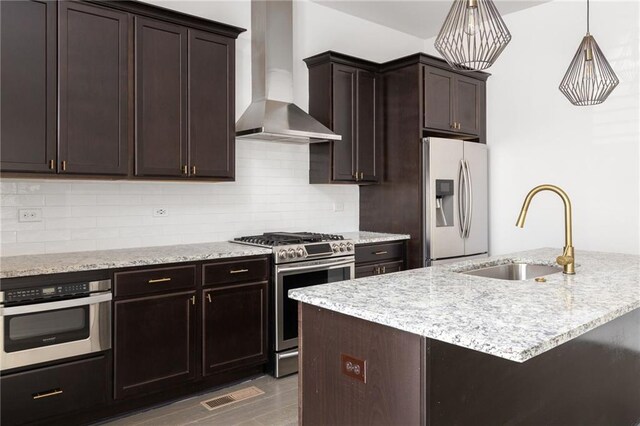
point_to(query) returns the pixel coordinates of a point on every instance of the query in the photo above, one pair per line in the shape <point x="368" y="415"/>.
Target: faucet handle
<point x="564" y="260"/>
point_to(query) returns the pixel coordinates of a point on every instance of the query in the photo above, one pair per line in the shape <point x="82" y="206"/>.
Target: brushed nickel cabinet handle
<point x="384" y="269"/>
<point x="54" y="392"/>
<point x="238" y="271"/>
<point x="185" y="169"/>
<point x="361" y="175"/>
<point x="159" y="280"/>
<point x="209" y="297"/>
<point x="64" y="165"/>
<point x="52" y="164"/>
<point x="378" y="253"/>
<point x="193" y="170"/>
<point x="355" y="176"/>
<point x="193" y="300"/>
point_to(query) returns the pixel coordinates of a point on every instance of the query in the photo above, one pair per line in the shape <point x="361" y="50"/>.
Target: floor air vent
<point x="231" y="398"/>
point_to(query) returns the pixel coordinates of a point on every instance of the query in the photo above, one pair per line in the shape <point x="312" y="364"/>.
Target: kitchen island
<point x="435" y="346"/>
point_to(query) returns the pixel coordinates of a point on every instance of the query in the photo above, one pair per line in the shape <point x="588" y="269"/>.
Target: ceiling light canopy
<point x="473" y="35"/>
<point x="589" y="79"/>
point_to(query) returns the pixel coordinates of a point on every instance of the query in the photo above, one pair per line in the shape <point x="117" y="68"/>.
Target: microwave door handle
<point x="469" y="190"/>
<point x="61" y="304"/>
<point x="461" y="215"/>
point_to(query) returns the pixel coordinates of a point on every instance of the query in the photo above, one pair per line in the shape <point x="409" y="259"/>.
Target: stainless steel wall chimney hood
<point x="272" y="116"/>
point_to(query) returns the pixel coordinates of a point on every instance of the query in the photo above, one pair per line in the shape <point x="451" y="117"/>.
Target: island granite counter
<point x="487" y="351"/>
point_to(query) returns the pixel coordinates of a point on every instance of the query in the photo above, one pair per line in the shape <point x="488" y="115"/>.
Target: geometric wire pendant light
<point x="473" y="35"/>
<point x="589" y="80"/>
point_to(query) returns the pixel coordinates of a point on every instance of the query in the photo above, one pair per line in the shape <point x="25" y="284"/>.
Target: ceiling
<point x="422" y="19"/>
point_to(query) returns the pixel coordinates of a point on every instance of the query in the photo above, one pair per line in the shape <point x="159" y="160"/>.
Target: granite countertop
<point x="515" y="320"/>
<point x="56" y="263"/>
<point x="366" y="237"/>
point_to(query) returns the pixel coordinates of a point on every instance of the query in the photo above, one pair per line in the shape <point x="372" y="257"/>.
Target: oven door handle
<point x="287" y="270"/>
<point x="62" y="304"/>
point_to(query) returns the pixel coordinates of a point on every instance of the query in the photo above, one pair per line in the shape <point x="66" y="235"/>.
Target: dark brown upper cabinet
<point x="28" y="79"/>
<point x="161" y="95"/>
<point x="211" y="105"/>
<point x="116" y="89"/>
<point x="452" y="102"/>
<point x="93" y="90"/>
<point x="344" y="96"/>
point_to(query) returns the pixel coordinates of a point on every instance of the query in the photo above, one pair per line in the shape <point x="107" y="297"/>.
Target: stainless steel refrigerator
<point x="456" y="202"/>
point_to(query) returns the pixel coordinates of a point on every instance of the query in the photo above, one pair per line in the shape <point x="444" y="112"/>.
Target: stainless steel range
<point x="300" y="259"/>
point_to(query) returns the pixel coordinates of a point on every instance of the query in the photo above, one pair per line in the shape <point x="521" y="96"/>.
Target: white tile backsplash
<point x="271" y="192"/>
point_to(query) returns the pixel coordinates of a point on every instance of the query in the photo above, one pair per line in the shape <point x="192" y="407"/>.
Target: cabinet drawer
<point x="154" y="280"/>
<point x="379" y="252"/>
<point x="39" y="394"/>
<point x="237" y="271"/>
<point x="379" y="268"/>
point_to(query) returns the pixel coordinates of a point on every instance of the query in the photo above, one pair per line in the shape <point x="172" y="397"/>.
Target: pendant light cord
<point x="587" y="16"/>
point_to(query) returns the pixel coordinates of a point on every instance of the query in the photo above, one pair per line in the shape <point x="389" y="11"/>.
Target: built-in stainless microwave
<point x="45" y="323"/>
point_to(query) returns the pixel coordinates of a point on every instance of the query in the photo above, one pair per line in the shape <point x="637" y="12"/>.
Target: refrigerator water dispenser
<point x="444" y="202"/>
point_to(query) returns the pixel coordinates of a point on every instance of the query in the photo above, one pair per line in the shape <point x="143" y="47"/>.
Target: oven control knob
<point x="335" y="248"/>
<point x="291" y="253"/>
<point x="342" y="247"/>
<point x="349" y="247"/>
<point x="282" y="254"/>
<point x="300" y="252"/>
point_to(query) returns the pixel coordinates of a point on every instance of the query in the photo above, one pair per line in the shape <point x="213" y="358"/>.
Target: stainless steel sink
<point x="514" y="271"/>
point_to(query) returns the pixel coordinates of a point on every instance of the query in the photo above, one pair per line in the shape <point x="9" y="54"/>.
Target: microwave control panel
<point x="47" y="292"/>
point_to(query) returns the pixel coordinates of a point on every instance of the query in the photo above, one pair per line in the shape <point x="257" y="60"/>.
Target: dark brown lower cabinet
<point x="45" y="393"/>
<point x="234" y="326"/>
<point x="380" y="258"/>
<point x="154" y="343"/>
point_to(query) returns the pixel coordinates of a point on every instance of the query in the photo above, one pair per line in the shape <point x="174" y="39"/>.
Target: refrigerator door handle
<point x="462" y="220"/>
<point x="469" y="206"/>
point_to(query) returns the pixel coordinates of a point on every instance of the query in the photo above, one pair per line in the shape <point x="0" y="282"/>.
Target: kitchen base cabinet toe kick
<point x="391" y="376"/>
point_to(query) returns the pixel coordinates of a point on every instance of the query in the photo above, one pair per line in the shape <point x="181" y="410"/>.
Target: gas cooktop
<point x="270" y="239"/>
<point x="296" y="246"/>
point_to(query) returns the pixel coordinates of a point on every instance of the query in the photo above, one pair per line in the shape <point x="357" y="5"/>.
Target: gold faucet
<point x="567" y="259"/>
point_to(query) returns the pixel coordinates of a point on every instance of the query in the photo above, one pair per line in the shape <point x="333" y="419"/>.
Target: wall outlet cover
<point x="160" y="212"/>
<point x="30" y="215"/>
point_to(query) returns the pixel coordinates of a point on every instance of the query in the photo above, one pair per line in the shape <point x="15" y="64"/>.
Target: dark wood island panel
<point x="410" y="380"/>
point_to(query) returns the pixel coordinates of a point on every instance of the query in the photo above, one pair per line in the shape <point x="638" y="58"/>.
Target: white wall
<point x="271" y="190"/>
<point x="536" y="136"/>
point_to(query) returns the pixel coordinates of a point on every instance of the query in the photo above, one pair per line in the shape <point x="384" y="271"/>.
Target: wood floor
<point x="278" y="406"/>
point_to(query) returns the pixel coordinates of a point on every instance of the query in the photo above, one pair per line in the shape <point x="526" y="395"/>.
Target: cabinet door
<point x="28" y="80"/>
<point x="234" y="327"/>
<point x="161" y="86"/>
<point x="366" y="114"/>
<point x="343" y="122"/>
<point x="438" y="96"/>
<point x="154" y="343"/>
<point x="211" y="105"/>
<point x="467" y="104"/>
<point x="93" y="90"/>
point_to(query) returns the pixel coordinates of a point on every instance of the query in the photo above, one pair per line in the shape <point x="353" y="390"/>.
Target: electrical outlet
<point x="160" y="212"/>
<point x="338" y="207"/>
<point x="354" y="367"/>
<point x="30" y="215"/>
